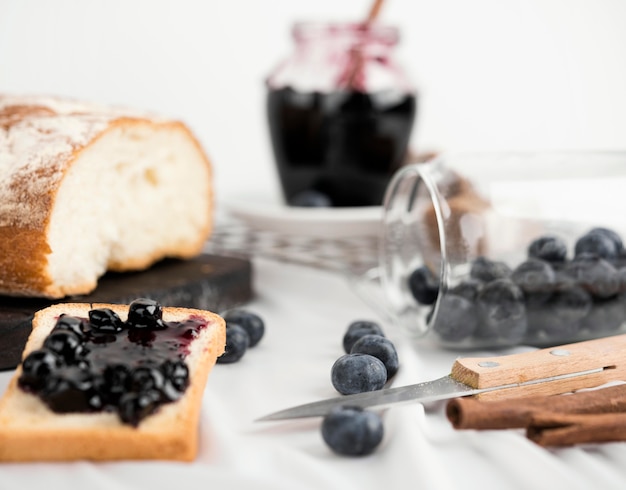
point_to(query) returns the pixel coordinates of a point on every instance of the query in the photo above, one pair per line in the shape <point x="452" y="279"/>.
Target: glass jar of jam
<point x="340" y="112"/>
<point x="495" y="249"/>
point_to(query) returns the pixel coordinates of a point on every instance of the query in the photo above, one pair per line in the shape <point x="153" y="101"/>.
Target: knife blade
<point x="547" y="371"/>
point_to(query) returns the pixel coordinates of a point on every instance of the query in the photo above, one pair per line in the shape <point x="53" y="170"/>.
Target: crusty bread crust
<point x="29" y="431"/>
<point x="42" y="138"/>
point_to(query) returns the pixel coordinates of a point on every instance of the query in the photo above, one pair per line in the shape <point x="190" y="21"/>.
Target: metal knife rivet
<point x="560" y="352"/>
<point x="488" y="364"/>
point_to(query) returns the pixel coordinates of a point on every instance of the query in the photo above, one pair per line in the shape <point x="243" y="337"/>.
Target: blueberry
<point x="457" y="318"/>
<point x="536" y="279"/>
<point x="621" y="276"/>
<point x="146" y="378"/>
<point x="599" y="242"/>
<point x="424" y="285"/>
<point x="72" y="389"/>
<point x="380" y="347"/>
<point x="605" y="316"/>
<point x="620" y="261"/>
<point x="570" y="303"/>
<point x="352" y="431"/>
<point x="612" y="234"/>
<point x="595" y="274"/>
<point x="537" y="300"/>
<point x="38" y="365"/>
<point x="468" y="288"/>
<point x="560" y="317"/>
<point x="134" y="407"/>
<point x="105" y="320"/>
<point x="145" y="313"/>
<point x="487" y="270"/>
<point x="71" y="323"/>
<point x="311" y="199"/>
<point x="358" y="329"/>
<point x="66" y="344"/>
<point x="357" y="373"/>
<point x="549" y="248"/>
<point x="237" y="343"/>
<point x="502" y="311"/>
<point x="251" y="322"/>
<point x="115" y="379"/>
<point x="176" y="379"/>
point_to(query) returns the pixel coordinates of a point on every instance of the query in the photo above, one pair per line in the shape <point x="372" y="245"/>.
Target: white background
<point x="492" y="74"/>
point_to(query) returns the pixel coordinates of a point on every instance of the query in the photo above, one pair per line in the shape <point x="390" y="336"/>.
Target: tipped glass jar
<point x="495" y="250"/>
<point x="340" y="112"/>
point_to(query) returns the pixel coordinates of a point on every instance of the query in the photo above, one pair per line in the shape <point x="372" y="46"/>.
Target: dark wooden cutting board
<point x="208" y="282"/>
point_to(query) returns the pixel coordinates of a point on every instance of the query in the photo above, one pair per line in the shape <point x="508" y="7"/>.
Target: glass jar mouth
<point x="354" y="31"/>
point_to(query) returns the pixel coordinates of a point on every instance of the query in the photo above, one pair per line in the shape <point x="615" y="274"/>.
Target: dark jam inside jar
<point x="130" y="368"/>
<point x="345" y="145"/>
<point x="340" y="112"/>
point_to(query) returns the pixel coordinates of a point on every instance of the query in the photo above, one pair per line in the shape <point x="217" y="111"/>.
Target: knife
<point x="548" y="371"/>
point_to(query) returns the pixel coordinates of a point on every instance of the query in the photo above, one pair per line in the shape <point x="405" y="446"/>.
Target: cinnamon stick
<point x="470" y="413"/>
<point x="558" y="429"/>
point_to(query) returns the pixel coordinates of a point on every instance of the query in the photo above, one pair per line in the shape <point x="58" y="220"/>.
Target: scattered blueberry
<point x="424" y="285"/>
<point x="311" y="199"/>
<point x="457" y="318"/>
<point x="237" y="343"/>
<point x="251" y="323"/>
<point x="488" y="270"/>
<point x="352" y="431"/>
<point x="380" y="347"/>
<point x="358" y="373"/>
<point x="358" y="329"/>
<point x="549" y="248"/>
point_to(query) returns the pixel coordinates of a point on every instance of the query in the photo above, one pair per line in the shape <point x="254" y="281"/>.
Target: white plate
<point x="271" y="215"/>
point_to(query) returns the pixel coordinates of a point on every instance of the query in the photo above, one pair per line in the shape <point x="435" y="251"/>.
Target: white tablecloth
<point x="306" y="313"/>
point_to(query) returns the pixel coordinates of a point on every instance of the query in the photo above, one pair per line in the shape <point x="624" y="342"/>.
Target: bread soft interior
<point x="137" y="193"/>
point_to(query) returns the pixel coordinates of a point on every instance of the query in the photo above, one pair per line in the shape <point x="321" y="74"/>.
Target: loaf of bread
<point x="30" y="431"/>
<point x="86" y="189"/>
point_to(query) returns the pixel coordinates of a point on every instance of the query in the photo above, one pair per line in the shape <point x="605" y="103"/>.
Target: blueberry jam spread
<point x="102" y="363"/>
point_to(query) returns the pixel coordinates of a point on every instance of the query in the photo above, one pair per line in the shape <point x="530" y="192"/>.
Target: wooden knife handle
<point x="608" y="355"/>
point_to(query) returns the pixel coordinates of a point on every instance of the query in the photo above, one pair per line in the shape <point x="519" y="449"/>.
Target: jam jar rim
<point x="373" y="32"/>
